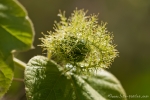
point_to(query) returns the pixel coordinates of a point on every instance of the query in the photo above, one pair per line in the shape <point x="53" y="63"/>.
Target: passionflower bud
<point x="80" y="41"/>
<point x="73" y="49"/>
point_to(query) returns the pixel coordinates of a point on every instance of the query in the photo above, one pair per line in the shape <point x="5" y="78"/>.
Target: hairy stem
<point x="19" y="63"/>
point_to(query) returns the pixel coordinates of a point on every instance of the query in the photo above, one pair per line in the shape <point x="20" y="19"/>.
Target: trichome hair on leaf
<point x="80" y="41"/>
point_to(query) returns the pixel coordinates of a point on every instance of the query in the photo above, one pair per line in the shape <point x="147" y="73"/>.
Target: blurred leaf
<point x="15" y="34"/>
<point x="44" y="81"/>
<point x="15" y="27"/>
<point x="6" y="74"/>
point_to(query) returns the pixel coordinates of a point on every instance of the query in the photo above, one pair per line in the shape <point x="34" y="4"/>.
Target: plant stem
<point x="19" y="63"/>
<point x="48" y="55"/>
<point x="18" y="79"/>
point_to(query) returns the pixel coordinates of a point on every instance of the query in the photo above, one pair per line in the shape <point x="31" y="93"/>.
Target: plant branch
<point x="19" y="63"/>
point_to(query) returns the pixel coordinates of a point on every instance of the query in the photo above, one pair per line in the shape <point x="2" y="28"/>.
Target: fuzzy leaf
<point x="16" y="33"/>
<point x="44" y="81"/>
<point x="101" y="86"/>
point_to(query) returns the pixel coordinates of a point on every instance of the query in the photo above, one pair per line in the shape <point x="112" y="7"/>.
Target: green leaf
<point x="6" y="74"/>
<point x="44" y="81"/>
<point x="15" y="27"/>
<point x="16" y="33"/>
<point x="101" y="85"/>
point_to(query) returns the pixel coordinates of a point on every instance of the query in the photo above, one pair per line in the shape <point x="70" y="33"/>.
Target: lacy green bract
<point x="98" y="50"/>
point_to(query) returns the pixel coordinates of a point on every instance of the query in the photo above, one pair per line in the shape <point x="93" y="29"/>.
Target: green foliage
<point x="98" y="86"/>
<point x="15" y="27"/>
<point x="80" y="40"/>
<point x="45" y="80"/>
<point x="16" y="34"/>
<point x="6" y="73"/>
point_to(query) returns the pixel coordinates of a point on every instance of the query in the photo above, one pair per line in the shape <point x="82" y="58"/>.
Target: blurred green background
<point x="129" y="20"/>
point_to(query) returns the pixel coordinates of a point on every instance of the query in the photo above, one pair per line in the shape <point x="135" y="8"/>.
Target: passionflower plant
<point x="80" y="42"/>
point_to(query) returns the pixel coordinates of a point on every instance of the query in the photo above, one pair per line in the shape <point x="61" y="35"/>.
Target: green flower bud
<point x="78" y="49"/>
<point x="80" y="41"/>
